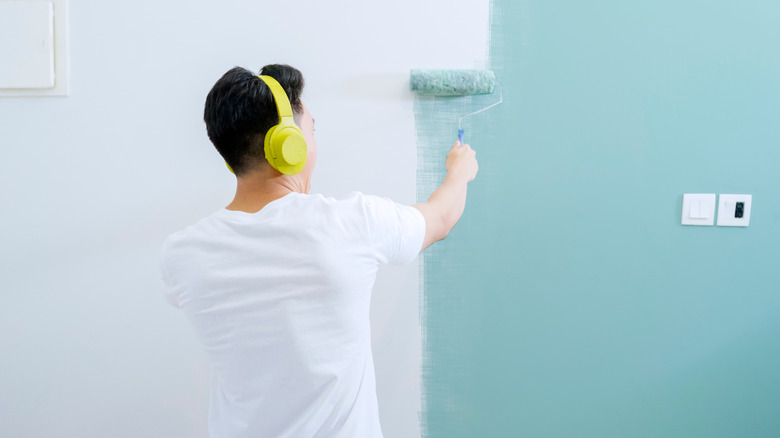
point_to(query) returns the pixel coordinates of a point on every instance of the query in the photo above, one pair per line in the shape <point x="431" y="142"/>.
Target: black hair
<point x="240" y="109"/>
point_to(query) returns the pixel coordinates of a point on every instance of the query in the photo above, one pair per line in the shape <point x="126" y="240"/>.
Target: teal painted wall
<point x="569" y="301"/>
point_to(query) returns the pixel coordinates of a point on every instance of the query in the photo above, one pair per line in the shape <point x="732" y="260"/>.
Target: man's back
<point x="280" y="301"/>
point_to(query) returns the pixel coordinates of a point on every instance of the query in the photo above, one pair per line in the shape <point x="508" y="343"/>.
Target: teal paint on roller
<point x="452" y="83"/>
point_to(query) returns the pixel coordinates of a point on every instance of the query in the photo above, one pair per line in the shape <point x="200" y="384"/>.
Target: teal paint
<point x="569" y="301"/>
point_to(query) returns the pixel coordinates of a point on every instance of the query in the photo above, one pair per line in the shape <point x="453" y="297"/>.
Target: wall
<point x="569" y="301"/>
<point x="92" y="183"/>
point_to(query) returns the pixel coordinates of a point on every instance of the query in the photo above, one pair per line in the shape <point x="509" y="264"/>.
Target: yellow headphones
<point x="285" y="147"/>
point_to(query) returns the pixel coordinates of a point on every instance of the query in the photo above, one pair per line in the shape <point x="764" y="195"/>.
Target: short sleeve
<point x="396" y="231"/>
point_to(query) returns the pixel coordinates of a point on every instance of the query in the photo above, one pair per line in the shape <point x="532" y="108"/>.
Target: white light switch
<point x="698" y="209"/>
<point x="734" y="210"/>
<point x="26" y="44"/>
<point x="34" y="48"/>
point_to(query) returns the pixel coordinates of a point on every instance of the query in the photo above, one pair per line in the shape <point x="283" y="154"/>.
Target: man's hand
<point x="446" y="204"/>
<point x="462" y="161"/>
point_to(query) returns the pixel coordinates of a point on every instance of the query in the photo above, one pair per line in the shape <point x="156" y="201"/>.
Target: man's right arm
<point x="446" y="204"/>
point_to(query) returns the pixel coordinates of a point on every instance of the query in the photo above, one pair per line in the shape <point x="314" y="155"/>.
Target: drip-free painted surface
<point x="569" y="301"/>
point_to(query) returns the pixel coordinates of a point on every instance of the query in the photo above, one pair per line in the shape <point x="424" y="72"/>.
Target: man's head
<point x="240" y="109"/>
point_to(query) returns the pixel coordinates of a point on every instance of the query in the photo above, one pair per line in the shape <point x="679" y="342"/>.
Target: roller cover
<point x="452" y="82"/>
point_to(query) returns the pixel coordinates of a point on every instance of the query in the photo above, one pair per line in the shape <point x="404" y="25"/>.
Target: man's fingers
<point x="457" y="143"/>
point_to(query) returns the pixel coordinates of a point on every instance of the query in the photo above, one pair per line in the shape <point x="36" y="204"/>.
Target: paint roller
<point x="448" y="83"/>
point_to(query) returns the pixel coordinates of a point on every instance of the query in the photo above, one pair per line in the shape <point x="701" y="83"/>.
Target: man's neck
<point x="257" y="189"/>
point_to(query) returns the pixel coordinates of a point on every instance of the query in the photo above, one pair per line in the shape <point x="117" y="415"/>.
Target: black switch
<point x="740" y="210"/>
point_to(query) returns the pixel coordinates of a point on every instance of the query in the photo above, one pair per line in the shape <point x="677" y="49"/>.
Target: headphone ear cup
<point x="285" y="148"/>
<point x="271" y="146"/>
<point x="293" y="149"/>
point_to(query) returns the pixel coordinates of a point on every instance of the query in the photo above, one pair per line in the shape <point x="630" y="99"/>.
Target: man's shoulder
<point x="360" y="204"/>
<point x="352" y="202"/>
<point x="188" y="233"/>
<point x="352" y="198"/>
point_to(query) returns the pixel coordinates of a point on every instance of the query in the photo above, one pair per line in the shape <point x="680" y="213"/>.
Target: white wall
<point x="92" y="183"/>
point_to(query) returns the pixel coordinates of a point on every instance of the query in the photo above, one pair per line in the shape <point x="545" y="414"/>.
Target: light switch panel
<point x="698" y="209"/>
<point x="33" y="48"/>
<point x="26" y="44"/>
<point x="734" y="210"/>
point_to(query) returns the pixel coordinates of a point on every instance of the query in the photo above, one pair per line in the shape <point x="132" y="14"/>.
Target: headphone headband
<point x="280" y="97"/>
<point x="284" y="144"/>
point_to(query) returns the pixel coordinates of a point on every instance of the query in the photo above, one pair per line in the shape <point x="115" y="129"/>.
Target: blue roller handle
<point x="460" y="136"/>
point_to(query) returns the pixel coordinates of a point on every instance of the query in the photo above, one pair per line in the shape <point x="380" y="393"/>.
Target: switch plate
<point x="698" y="209"/>
<point x="20" y="25"/>
<point x="727" y="210"/>
<point x="27" y="44"/>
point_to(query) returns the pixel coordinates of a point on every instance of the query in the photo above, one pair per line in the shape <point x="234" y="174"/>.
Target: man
<point x="277" y="284"/>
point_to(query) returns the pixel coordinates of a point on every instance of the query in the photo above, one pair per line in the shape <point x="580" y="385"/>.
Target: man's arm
<point x="445" y="205"/>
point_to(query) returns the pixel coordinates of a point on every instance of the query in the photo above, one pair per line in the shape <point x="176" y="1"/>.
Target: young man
<point x="277" y="284"/>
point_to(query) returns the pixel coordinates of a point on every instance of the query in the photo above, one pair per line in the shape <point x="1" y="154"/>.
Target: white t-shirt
<point x="280" y="299"/>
